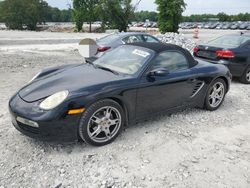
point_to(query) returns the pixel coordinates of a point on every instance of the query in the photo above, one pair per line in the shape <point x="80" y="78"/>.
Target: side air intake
<point x="197" y="88"/>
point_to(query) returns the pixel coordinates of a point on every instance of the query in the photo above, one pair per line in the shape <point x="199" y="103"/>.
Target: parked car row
<point x="200" y="25"/>
<point x="135" y="80"/>
<point x="216" y="25"/>
<point x="144" y="24"/>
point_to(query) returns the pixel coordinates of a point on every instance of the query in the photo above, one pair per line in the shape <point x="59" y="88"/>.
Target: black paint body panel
<point x="140" y="96"/>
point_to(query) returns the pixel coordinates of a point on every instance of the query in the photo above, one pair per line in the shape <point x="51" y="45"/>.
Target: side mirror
<point x="161" y="72"/>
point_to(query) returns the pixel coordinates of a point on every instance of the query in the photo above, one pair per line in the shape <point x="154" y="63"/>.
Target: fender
<point x="50" y="70"/>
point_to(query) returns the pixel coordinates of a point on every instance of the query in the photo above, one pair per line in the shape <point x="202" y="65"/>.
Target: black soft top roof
<point x="157" y="47"/>
<point x="161" y="47"/>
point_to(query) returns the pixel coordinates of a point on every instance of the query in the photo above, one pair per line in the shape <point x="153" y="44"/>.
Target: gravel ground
<point x="193" y="148"/>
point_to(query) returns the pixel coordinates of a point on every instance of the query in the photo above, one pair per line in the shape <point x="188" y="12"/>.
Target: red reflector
<point x="196" y="49"/>
<point x="103" y="49"/>
<point x="225" y="53"/>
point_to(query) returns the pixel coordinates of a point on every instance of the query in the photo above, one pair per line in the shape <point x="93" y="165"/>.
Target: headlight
<point x="34" y="77"/>
<point x="54" y="100"/>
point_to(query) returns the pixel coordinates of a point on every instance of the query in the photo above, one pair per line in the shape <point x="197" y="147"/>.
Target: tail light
<point x="103" y="49"/>
<point x="225" y="54"/>
<point x="196" y="49"/>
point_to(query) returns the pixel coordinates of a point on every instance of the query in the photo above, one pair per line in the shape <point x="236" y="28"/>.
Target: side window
<point x="150" y="39"/>
<point x="132" y="39"/>
<point x="172" y="61"/>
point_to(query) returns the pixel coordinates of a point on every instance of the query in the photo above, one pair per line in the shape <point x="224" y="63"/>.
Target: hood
<point x="72" y="79"/>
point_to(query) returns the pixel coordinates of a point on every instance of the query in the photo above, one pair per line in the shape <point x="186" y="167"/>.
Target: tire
<point x="101" y="123"/>
<point x="214" y="98"/>
<point x="245" y="78"/>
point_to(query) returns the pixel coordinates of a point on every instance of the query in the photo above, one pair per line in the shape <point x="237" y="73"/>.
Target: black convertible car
<point x="230" y="50"/>
<point x="93" y="101"/>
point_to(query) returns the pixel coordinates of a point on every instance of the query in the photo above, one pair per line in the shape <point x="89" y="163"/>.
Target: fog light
<point x="27" y="122"/>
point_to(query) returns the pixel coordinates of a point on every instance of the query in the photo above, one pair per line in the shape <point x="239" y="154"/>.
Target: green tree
<point x="12" y="13"/>
<point x="35" y="12"/>
<point x="198" y="17"/>
<point x="16" y="14"/>
<point x="53" y="15"/>
<point x="57" y="15"/>
<point x="65" y="16"/>
<point x="115" y="14"/>
<point x="144" y="15"/>
<point x="84" y="10"/>
<point x="170" y="14"/>
<point x="223" y="17"/>
<point x="242" y="17"/>
<point x="78" y="18"/>
<point x="1" y="16"/>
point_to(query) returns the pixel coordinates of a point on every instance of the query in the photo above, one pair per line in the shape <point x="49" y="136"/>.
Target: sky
<point x="193" y="6"/>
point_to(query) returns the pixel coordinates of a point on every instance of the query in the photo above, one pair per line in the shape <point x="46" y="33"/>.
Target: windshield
<point x="108" y="39"/>
<point x="230" y="41"/>
<point x="125" y="59"/>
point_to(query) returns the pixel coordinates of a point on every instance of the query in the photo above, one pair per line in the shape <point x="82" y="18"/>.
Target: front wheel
<point x="215" y="95"/>
<point x="101" y="123"/>
<point x="245" y="78"/>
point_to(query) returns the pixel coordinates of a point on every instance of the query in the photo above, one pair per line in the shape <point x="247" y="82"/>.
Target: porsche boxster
<point x="94" y="100"/>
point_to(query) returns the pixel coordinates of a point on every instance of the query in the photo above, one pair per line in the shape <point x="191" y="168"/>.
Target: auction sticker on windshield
<point x="141" y="53"/>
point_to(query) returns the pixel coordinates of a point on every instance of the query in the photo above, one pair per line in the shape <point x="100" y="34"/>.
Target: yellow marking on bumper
<point x="76" y="111"/>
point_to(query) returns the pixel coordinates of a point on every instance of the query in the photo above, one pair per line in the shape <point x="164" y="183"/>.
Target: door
<point x="160" y="93"/>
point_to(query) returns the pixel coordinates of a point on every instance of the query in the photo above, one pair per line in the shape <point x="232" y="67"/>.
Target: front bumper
<point x="51" y="125"/>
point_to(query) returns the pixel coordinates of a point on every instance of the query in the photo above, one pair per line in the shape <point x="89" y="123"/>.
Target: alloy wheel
<point x="248" y="75"/>
<point x="216" y="94"/>
<point x="104" y="124"/>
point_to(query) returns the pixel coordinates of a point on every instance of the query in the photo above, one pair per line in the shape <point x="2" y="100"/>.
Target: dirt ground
<point x="193" y="148"/>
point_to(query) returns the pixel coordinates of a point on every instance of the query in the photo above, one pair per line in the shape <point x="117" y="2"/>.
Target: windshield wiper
<point x="106" y="69"/>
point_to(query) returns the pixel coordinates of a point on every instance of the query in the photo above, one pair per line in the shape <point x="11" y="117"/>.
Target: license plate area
<point x="207" y="54"/>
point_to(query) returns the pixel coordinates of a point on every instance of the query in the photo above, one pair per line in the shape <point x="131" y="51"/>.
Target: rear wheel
<point x="245" y="78"/>
<point x="215" y="95"/>
<point x="101" y="123"/>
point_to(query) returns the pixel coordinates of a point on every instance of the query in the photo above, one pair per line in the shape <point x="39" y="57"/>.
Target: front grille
<point x="27" y="128"/>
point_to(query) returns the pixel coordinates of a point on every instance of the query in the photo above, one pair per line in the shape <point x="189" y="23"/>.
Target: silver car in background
<point x="112" y="41"/>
